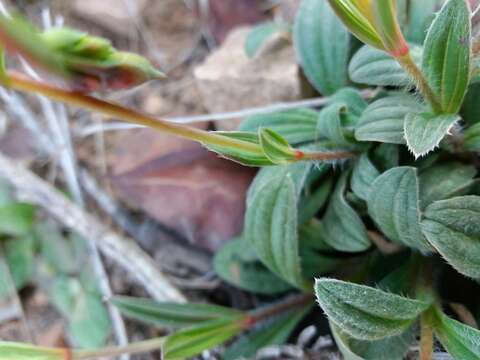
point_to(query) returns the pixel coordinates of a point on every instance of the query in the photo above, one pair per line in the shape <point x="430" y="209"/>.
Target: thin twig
<point x="123" y="251"/>
<point x="386" y="247"/>
<point x="225" y="116"/>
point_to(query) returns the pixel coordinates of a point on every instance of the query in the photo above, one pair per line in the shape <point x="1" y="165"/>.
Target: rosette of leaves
<point x="383" y="237"/>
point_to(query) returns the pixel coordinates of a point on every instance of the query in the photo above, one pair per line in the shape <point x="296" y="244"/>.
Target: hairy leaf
<point x="392" y="348"/>
<point x="383" y="120"/>
<point x="452" y="227"/>
<point x="461" y="341"/>
<point x="445" y="181"/>
<point x="296" y="126"/>
<point x="322" y="44"/>
<point x="424" y="131"/>
<point x="192" y="341"/>
<point x="275" y="147"/>
<point x="394" y="206"/>
<point x="446" y="56"/>
<point x="366" y="313"/>
<point x="261" y="33"/>
<point x="271" y="220"/>
<point x="363" y="175"/>
<point x="343" y="228"/>
<point x="249" y="274"/>
<point x="375" y="67"/>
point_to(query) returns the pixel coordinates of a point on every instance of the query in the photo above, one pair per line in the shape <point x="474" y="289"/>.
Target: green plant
<point x="393" y="219"/>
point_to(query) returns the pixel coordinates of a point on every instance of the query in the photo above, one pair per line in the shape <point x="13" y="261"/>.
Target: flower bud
<point x="386" y="23"/>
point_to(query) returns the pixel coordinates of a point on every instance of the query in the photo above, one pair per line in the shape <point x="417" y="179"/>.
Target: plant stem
<point x="410" y="67"/>
<point x="134" y="348"/>
<point x="426" y="337"/>
<point x="22" y="83"/>
<point x="263" y="314"/>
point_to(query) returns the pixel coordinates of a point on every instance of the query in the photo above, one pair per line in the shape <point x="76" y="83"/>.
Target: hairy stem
<point x="23" y="83"/>
<point x="411" y="68"/>
<point x="426" y="337"/>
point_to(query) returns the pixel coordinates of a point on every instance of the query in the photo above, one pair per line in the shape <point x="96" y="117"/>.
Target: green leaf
<point x="366" y="313"/>
<point x="461" y="341"/>
<point x="88" y="320"/>
<point x="394" y="206"/>
<point x="311" y="203"/>
<point x="343" y="228"/>
<point x="331" y="121"/>
<point x="20" y="257"/>
<point x="446" y="56"/>
<point x="17" y="351"/>
<point x="261" y="33"/>
<point x="391" y="348"/>
<point x="247" y="274"/>
<point x="470" y="111"/>
<point x="322" y="44"/>
<point x="244" y="157"/>
<point x="376" y="67"/>
<point x="275" y="332"/>
<point x="421" y="14"/>
<point x="445" y="181"/>
<point x="192" y="341"/>
<point x="424" y="131"/>
<point x="170" y="314"/>
<point x="271" y="219"/>
<point x="275" y="147"/>
<point x="471" y="140"/>
<point x="452" y="227"/>
<point x="16" y="219"/>
<point x="383" y="120"/>
<point x="363" y="175"/>
<point x="296" y="126"/>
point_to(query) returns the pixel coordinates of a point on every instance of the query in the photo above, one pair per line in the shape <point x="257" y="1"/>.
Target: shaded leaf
<point x="170" y="314"/>
<point x="421" y="14"/>
<point x="192" y="341"/>
<point x="383" y="120"/>
<point x="452" y="227"/>
<point x="470" y="111"/>
<point x="424" y="131"/>
<point x="343" y="228"/>
<point x="376" y="67"/>
<point x="392" y="348"/>
<point x="322" y="44"/>
<point x="296" y="126"/>
<point x="394" y="206"/>
<point x="331" y="120"/>
<point x="446" y="56"/>
<point x="20" y="257"/>
<point x="471" y="140"/>
<point x="363" y="175"/>
<point x="274" y="332"/>
<point x="247" y="274"/>
<point x="366" y="313"/>
<point x="461" y="341"/>
<point x="313" y="202"/>
<point x="445" y="181"/>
